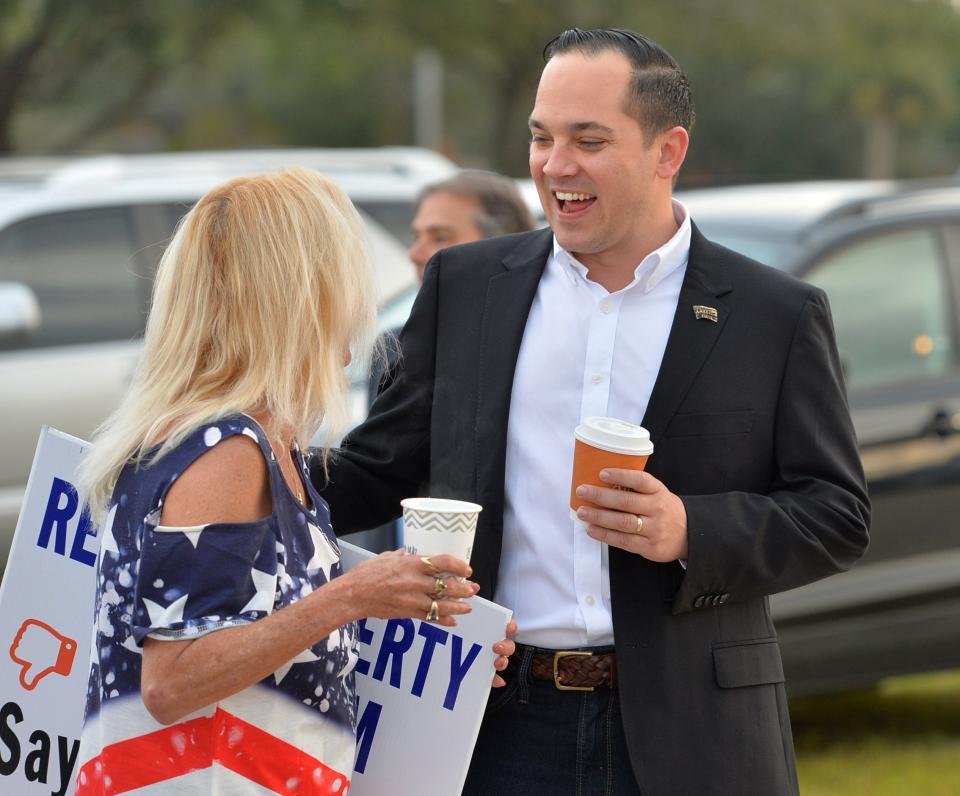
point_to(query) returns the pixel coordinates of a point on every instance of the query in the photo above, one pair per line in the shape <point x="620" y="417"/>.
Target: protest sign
<point x="46" y="621"/>
<point x="422" y="690"/>
<point x="421" y="687"/>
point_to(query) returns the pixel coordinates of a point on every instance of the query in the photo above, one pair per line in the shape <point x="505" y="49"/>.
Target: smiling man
<point x="648" y="662"/>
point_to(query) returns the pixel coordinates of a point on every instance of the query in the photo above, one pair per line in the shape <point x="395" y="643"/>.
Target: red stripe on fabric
<point x="222" y="738"/>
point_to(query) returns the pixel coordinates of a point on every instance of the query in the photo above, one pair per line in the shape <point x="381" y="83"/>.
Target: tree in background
<point x="785" y="90"/>
<point x="72" y="72"/>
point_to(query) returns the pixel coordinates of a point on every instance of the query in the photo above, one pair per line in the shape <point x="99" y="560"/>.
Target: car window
<point x="174" y="212"/>
<point x="889" y="296"/>
<point x="79" y="264"/>
<point x="393" y="315"/>
<point x="766" y="245"/>
<point x="395" y="217"/>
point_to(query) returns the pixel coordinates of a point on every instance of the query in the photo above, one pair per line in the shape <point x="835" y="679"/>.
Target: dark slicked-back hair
<point x="659" y="95"/>
<point x="501" y="209"/>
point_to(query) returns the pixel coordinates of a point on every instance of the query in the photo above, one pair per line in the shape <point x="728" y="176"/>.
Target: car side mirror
<point x="19" y="313"/>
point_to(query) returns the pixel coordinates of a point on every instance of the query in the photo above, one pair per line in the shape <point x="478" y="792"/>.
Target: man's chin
<point x="574" y="244"/>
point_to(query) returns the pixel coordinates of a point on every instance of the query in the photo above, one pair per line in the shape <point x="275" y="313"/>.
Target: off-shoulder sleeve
<point x="194" y="580"/>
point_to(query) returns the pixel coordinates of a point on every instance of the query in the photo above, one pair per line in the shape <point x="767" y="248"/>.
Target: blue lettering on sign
<point x="393" y="647"/>
<point x="84" y="530"/>
<point x="62" y="505"/>
<point x="57" y="515"/>
<point x="433" y="636"/>
<point x="398" y="639"/>
<point x="458" y="670"/>
<point x="366" y="729"/>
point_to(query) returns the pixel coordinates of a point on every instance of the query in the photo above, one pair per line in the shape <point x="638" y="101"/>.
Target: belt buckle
<point x="556" y="671"/>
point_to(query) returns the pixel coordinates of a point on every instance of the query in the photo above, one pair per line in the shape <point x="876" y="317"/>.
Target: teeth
<point x="569" y="197"/>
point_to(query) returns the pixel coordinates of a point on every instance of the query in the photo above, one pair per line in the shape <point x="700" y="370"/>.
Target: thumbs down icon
<point x="40" y="650"/>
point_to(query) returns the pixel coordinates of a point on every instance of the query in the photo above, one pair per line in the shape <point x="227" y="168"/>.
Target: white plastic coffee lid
<point x="441" y="505"/>
<point x="617" y="436"/>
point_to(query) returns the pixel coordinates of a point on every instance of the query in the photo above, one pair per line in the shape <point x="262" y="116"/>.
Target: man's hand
<point x="504" y="650"/>
<point x="661" y="535"/>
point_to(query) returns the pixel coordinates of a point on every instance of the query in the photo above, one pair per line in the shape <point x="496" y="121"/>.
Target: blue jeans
<point x="536" y="739"/>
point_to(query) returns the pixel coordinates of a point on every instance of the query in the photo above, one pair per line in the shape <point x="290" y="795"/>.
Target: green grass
<point x="900" y="739"/>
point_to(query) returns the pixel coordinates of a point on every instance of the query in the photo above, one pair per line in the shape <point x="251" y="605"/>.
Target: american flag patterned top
<point x="291" y="733"/>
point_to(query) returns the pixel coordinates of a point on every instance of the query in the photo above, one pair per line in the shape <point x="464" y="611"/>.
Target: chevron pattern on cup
<point x="440" y="522"/>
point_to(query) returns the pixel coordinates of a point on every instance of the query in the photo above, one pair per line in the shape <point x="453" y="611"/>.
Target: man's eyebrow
<point x="576" y="127"/>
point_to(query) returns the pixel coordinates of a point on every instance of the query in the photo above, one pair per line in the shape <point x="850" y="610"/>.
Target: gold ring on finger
<point x="430" y="565"/>
<point x="434" y="613"/>
<point x="439" y="587"/>
<point x="639" y="524"/>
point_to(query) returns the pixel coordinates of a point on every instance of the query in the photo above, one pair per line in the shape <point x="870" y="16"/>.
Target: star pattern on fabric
<point x="193" y="534"/>
<point x="151" y="582"/>
<point x="352" y="658"/>
<point x="108" y="544"/>
<point x="266" y="585"/>
<point x="307" y="656"/>
<point x="164" y="616"/>
<point x="324" y="556"/>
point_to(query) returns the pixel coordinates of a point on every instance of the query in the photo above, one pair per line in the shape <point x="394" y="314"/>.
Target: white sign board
<point x="422" y="688"/>
<point x="46" y="621"/>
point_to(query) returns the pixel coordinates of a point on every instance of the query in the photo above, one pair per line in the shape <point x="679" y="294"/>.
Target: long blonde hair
<point x="263" y="289"/>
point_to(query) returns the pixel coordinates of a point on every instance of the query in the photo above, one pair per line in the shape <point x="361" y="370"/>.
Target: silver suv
<point x="79" y="243"/>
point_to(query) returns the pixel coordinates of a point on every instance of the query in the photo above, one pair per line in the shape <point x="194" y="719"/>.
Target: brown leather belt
<point x="571" y="670"/>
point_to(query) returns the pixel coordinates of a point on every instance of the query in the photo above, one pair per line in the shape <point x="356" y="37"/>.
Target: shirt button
<point x="605" y="308"/>
<point x="596" y="378"/>
<point x="589" y="599"/>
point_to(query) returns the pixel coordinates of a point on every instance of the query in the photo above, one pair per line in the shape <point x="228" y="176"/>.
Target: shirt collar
<point x="655" y="267"/>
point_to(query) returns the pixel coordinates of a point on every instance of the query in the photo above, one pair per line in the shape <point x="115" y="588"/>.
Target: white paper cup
<point x="432" y="526"/>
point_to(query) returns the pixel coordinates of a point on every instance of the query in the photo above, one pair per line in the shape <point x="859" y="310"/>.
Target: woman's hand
<point x="504" y="649"/>
<point x="395" y="585"/>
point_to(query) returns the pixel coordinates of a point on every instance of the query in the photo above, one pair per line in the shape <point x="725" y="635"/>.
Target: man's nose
<point x="560" y="163"/>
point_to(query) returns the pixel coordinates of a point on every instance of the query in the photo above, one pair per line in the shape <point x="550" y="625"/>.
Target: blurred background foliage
<point x="784" y="89"/>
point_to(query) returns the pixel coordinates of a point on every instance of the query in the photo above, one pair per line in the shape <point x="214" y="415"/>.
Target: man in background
<point x="470" y="206"/>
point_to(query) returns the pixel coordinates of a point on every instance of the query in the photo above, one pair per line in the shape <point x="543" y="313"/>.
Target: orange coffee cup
<point x="601" y="442"/>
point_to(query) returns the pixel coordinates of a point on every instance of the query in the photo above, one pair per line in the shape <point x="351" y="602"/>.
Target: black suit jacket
<point x="750" y="425"/>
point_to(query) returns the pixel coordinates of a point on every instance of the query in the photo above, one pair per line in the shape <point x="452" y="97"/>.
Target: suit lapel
<point x="691" y="338"/>
<point x="510" y="293"/>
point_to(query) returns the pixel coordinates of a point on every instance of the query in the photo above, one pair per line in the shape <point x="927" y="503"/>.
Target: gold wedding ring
<point x="434" y="613"/>
<point x="439" y="587"/>
<point x="639" y="524"/>
<point x="430" y="565"/>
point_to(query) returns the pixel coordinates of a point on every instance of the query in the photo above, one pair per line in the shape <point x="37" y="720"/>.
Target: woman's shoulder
<point x="226" y="480"/>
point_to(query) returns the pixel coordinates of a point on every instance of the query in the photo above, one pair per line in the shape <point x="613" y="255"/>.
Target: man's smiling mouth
<point x="573" y="201"/>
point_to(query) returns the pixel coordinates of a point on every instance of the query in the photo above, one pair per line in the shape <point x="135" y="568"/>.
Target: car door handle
<point x="943" y="423"/>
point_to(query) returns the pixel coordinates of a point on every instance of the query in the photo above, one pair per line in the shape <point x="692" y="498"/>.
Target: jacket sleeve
<point x="386" y="458"/>
<point x="814" y="520"/>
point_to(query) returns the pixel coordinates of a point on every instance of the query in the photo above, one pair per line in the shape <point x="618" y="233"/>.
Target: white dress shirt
<point x="585" y="352"/>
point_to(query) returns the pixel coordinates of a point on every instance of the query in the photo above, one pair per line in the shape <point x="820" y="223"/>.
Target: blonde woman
<point x="225" y="633"/>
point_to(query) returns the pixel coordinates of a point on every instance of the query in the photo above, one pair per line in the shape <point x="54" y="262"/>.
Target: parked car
<point x="889" y="260"/>
<point x="79" y="244"/>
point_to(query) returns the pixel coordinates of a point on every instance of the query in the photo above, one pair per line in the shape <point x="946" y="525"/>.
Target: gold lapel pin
<point x="700" y="312"/>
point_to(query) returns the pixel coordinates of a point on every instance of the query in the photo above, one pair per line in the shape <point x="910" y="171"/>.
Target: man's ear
<point x="673" y="145"/>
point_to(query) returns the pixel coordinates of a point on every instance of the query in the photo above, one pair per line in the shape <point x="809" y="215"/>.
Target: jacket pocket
<point x="706" y="424"/>
<point x="742" y="663"/>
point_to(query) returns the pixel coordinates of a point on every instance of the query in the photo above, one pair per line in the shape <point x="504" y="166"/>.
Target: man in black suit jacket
<point x="754" y="485"/>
